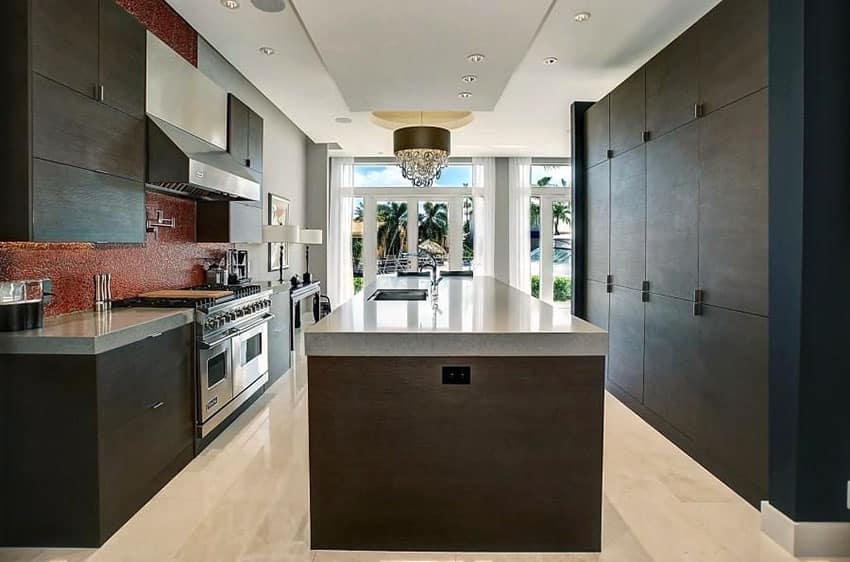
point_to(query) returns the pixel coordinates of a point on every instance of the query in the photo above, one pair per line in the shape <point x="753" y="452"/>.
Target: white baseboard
<point x="805" y="539"/>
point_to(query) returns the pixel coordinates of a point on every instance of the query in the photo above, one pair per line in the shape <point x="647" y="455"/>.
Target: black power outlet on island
<point x="457" y="375"/>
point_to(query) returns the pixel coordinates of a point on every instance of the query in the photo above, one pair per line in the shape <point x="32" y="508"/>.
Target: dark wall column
<point x="810" y="258"/>
<point x="578" y="204"/>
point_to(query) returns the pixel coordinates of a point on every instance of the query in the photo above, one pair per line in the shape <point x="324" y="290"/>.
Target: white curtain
<point x="484" y="214"/>
<point x="519" y="193"/>
<point x="340" y="212"/>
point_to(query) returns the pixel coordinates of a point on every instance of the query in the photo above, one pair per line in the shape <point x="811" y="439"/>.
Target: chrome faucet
<point x="433" y="267"/>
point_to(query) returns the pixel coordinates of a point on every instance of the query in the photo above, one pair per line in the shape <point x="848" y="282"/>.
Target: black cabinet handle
<point x="158" y="405"/>
<point x="699" y="296"/>
<point x="609" y="284"/>
<point x="644" y="291"/>
<point x="247" y="162"/>
<point x="699" y="110"/>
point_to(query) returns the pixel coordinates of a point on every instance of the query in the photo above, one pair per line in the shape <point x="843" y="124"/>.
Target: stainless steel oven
<point x="215" y="366"/>
<point x="249" y="348"/>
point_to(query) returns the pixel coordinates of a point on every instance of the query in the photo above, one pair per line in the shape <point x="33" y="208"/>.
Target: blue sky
<point x="390" y="176"/>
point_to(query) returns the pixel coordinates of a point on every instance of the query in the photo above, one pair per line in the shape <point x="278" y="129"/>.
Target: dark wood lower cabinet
<point x="401" y="461"/>
<point x="625" y="341"/>
<point x="91" y="438"/>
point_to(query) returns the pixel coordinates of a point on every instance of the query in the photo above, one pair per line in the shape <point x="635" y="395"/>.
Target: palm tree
<point x="561" y="212"/>
<point x="534" y="212"/>
<point x="434" y="222"/>
<point x="392" y="227"/>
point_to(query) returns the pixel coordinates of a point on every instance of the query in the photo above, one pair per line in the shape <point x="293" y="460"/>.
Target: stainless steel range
<point x="231" y="345"/>
<point x="231" y="339"/>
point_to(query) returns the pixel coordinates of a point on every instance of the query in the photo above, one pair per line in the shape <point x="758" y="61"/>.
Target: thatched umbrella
<point x="432" y="248"/>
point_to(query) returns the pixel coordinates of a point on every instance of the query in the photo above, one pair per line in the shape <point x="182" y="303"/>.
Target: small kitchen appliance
<point x="22" y="304"/>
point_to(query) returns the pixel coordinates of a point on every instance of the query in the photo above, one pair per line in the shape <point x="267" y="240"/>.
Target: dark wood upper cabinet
<point x="122" y="59"/>
<point x="628" y="112"/>
<point x="672" y="85"/>
<point x="597" y="132"/>
<point x="65" y="45"/>
<point x="72" y="204"/>
<point x="255" y="142"/>
<point x="625" y="341"/>
<point x="732" y="418"/>
<point x="244" y="134"/>
<point x="228" y="221"/>
<point x="733" y="236"/>
<point x="76" y="161"/>
<point x="672" y="213"/>
<point x="74" y="129"/>
<point x="598" y="222"/>
<point x="628" y="218"/>
<point x="732" y="52"/>
<point x="671" y="365"/>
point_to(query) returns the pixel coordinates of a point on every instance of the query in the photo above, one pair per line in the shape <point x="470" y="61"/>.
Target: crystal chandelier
<point x="422" y="152"/>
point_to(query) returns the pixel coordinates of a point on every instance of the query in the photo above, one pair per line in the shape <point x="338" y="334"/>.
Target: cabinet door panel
<point x="238" y="127"/>
<point x="75" y="205"/>
<point x="628" y="218"/>
<point x="671" y="366"/>
<point x="279" y="343"/>
<point x="732" y="417"/>
<point x="598" y="222"/>
<point x="597" y="303"/>
<point x="733" y="52"/>
<point x="733" y="236"/>
<point x="122" y="59"/>
<point x="672" y="85"/>
<point x="65" y="42"/>
<point x="625" y="341"/>
<point x="73" y="129"/>
<point x="255" y="142"/>
<point x="672" y="213"/>
<point x="597" y="132"/>
<point x="628" y="112"/>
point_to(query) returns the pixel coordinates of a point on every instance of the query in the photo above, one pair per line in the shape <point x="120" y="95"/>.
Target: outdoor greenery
<point x="562" y="291"/>
<point x="434" y="223"/>
<point x="358" y="284"/>
<point x="561" y="214"/>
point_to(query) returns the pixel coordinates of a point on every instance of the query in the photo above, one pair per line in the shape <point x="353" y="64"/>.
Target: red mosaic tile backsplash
<point x="169" y="260"/>
<point x="165" y="23"/>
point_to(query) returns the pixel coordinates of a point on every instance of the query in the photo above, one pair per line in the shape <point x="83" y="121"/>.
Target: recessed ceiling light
<point x="475" y="57"/>
<point x="230" y="4"/>
<point x="464" y="95"/>
<point x="582" y="17"/>
<point x="343" y="120"/>
<point x="268" y="51"/>
<point x="469" y="78"/>
<point x="550" y="60"/>
<point x="270" y="6"/>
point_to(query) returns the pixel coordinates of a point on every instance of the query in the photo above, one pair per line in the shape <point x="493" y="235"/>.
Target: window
<point x="357" y="244"/>
<point x="389" y="175"/>
<point x="468" y="233"/>
<point x="433" y="230"/>
<point x="392" y="237"/>
<point x="534" y="223"/>
<point x="562" y="251"/>
<point x="551" y="175"/>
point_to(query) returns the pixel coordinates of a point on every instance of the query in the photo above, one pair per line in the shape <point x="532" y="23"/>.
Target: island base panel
<point x="510" y="462"/>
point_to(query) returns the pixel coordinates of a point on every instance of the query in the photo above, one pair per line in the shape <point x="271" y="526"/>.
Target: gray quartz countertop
<point x="90" y="333"/>
<point x="478" y="316"/>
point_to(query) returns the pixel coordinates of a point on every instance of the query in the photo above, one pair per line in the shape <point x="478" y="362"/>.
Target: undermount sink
<point x="399" y="295"/>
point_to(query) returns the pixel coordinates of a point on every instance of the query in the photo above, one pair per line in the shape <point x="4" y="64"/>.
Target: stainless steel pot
<point x="22" y="304"/>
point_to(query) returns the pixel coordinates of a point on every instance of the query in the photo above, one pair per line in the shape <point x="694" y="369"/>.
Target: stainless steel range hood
<point x="187" y="132"/>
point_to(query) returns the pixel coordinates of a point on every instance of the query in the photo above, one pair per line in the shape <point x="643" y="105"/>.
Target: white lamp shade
<point x="282" y="233"/>
<point x="311" y="236"/>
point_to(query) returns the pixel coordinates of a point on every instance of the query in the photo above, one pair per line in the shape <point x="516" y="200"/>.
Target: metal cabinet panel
<point x="733" y="236"/>
<point x="628" y="218"/>
<point x="672" y="86"/>
<point x="598" y="222"/>
<point x="255" y="142"/>
<point x="625" y="341"/>
<point x="597" y="132"/>
<point x="597" y="303"/>
<point x="628" y="112"/>
<point x="671" y="366"/>
<point x="672" y="213"/>
<point x="733" y="52"/>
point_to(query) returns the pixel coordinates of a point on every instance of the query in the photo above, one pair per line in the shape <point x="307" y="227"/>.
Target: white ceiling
<point x="344" y="58"/>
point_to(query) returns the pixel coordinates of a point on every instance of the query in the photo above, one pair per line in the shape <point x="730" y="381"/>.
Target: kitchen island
<point x="469" y="421"/>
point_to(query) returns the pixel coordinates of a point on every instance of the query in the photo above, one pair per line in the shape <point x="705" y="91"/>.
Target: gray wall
<point x="284" y="155"/>
<point x="318" y="183"/>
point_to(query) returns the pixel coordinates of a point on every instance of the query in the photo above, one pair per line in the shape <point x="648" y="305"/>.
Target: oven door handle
<point x="205" y="345"/>
<point x="242" y="330"/>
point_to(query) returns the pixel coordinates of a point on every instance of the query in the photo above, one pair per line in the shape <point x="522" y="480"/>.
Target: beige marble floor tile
<point x="360" y="556"/>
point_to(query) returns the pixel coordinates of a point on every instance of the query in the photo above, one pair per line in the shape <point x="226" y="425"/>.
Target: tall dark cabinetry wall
<point x="677" y="238"/>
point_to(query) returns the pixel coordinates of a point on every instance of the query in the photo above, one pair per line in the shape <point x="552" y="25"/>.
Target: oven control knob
<point x="209" y="324"/>
<point x="231" y="316"/>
